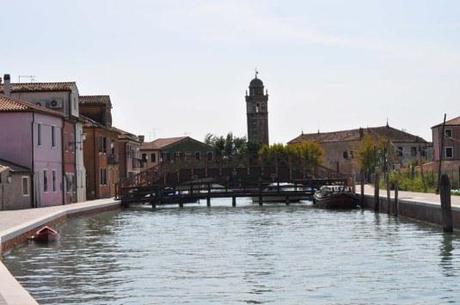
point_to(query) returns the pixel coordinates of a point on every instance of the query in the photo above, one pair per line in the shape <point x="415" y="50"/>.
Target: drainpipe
<point x="63" y="162"/>
<point x="96" y="157"/>
<point x="32" y="180"/>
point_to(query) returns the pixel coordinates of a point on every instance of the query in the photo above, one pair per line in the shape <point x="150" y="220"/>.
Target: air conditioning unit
<point x="55" y="104"/>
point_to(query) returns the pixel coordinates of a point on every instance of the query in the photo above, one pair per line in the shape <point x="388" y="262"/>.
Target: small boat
<point x="335" y="197"/>
<point x="46" y="234"/>
<point x="285" y="187"/>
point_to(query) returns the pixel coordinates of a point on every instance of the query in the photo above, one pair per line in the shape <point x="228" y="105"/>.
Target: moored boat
<point x="335" y="197"/>
<point x="46" y="234"/>
<point x="284" y="187"/>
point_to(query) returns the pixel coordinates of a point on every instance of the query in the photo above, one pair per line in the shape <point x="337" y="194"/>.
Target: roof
<point x="12" y="166"/>
<point x="451" y="122"/>
<point x="95" y="100"/>
<point x="125" y="135"/>
<point x="161" y="143"/>
<point x="41" y="87"/>
<point x="256" y="82"/>
<point x="8" y="104"/>
<point x="393" y="134"/>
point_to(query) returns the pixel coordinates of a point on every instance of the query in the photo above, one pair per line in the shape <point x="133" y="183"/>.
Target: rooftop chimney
<point x="141" y="138"/>
<point x="7" y="85"/>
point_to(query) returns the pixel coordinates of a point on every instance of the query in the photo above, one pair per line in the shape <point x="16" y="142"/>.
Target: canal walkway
<point x="16" y="226"/>
<point x="427" y="198"/>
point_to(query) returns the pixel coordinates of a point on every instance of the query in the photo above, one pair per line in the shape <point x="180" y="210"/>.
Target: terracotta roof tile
<point x="8" y="104"/>
<point x="451" y="122"/>
<point x="395" y="135"/>
<point x="40" y="87"/>
<point x="161" y="143"/>
<point x="95" y="100"/>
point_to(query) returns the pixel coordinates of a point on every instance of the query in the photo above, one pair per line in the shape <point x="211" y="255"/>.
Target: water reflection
<point x="245" y="255"/>
<point x="446" y="254"/>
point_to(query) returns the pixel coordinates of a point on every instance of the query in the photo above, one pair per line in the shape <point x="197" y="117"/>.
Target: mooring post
<point x="377" y="193"/>
<point x="260" y="194"/>
<point x="353" y="183"/>
<point x="362" y="191"/>
<point x="287" y="200"/>
<point x="446" y="208"/>
<point x="233" y="201"/>
<point x="396" y="205"/>
<point x="387" y="183"/>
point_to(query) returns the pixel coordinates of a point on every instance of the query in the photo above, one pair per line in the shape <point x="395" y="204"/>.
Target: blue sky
<point x="182" y="67"/>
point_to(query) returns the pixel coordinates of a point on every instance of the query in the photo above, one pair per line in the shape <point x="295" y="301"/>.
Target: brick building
<point x="101" y="151"/>
<point x="257" y="113"/>
<point x="341" y="147"/>
<point x="172" y="149"/>
<point x="129" y="153"/>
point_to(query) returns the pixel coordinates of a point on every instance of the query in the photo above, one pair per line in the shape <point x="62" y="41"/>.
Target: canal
<point x="245" y="255"/>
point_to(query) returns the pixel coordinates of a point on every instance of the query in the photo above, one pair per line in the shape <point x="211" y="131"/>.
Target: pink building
<point x="31" y="137"/>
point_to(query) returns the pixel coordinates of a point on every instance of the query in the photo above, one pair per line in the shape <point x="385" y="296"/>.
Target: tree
<point x="372" y="153"/>
<point x="228" y="147"/>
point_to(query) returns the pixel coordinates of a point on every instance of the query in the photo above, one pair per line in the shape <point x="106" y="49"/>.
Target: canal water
<point x="246" y="255"/>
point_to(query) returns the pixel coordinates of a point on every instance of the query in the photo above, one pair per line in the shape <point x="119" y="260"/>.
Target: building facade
<point x="101" y="151"/>
<point x="451" y="151"/>
<point x="31" y="137"/>
<point x="257" y="113"/>
<point x="341" y="148"/>
<point x="15" y="186"/>
<point x="174" y="149"/>
<point x="129" y="153"/>
<point x="60" y="97"/>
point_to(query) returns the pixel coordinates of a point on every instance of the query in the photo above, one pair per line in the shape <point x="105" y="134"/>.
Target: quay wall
<point x="417" y="210"/>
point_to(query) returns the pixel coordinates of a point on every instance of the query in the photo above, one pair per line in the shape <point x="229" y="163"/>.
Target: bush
<point x="414" y="182"/>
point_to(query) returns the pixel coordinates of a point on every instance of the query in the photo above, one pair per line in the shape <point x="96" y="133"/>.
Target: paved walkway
<point x="16" y="223"/>
<point x="411" y="196"/>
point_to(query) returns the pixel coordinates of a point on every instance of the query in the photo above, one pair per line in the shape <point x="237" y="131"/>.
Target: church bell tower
<point x="257" y="112"/>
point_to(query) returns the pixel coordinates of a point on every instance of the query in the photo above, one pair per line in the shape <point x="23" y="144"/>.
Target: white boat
<point x="285" y="187"/>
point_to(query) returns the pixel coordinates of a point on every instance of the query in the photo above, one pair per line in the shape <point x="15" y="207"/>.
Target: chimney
<point x="141" y="138"/>
<point x="7" y="85"/>
<point x="361" y="133"/>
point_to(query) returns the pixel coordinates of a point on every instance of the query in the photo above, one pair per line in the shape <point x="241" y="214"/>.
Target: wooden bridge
<point x="184" y="183"/>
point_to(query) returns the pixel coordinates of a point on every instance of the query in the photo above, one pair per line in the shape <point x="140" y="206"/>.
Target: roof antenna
<point x="257" y="72"/>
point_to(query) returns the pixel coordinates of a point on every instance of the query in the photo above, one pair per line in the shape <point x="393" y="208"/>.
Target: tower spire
<point x="256" y="72"/>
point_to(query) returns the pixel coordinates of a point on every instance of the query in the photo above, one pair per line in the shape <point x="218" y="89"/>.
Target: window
<point x="352" y="154"/>
<point x="209" y="155"/>
<point x="449" y="152"/>
<point x="168" y="156"/>
<point x="182" y="156"/>
<point x="198" y="156"/>
<point x="53" y="136"/>
<point x="448" y="133"/>
<point x="103" y="145"/>
<point x="39" y="134"/>
<point x="54" y="180"/>
<point x="103" y="176"/>
<point x="257" y="107"/>
<point x="400" y="151"/>
<point x="45" y="181"/>
<point x="25" y="186"/>
<point x="153" y="158"/>
<point x="413" y="151"/>
<point x="345" y="154"/>
<point x="144" y="157"/>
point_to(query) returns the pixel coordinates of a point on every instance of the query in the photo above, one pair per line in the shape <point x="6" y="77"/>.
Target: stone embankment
<point x="15" y="228"/>
<point x="424" y="207"/>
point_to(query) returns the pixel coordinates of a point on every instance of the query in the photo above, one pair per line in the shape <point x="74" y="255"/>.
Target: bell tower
<point x="257" y="112"/>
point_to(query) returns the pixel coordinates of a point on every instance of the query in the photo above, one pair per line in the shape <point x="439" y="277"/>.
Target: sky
<point x="176" y="68"/>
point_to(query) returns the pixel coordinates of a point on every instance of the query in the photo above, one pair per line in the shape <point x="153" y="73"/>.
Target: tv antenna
<point x="30" y="77"/>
